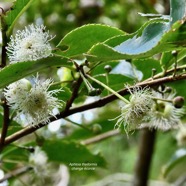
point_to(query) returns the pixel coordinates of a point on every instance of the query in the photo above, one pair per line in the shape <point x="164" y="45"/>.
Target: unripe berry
<point x="108" y="68"/>
<point x="92" y="92"/>
<point x="174" y="53"/>
<point x="96" y="128"/>
<point x="178" y="102"/>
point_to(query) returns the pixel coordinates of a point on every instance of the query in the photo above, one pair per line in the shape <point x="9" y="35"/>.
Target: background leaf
<point x="178" y="10"/>
<point x="175" y="168"/>
<point x="16" y="11"/>
<point x="71" y="152"/>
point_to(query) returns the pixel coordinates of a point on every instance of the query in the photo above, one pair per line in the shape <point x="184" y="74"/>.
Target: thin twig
<point x="15" y="173"/>
<point x="74" y="94"/>
<point x="79" y="125"/>
<point x="100" y="137"/>
<point x="5" y="124"/>
<point x="100" y="103"/>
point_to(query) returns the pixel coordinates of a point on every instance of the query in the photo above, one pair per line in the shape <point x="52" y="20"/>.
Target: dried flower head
<point x="133" y="113"/>
<point x="36" y="104"/>
<point x="30" y="44"/>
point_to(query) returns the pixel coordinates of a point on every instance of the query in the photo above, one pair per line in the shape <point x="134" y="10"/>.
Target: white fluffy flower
<point x="133" y="113"/>
<point x="30" y="44"/>
<point x="16" y="92"/>
<point x="36" y="104"/>
<point x="38" y="160"/>
<point x="38" y="157"/>
<point x="164" y="114"/>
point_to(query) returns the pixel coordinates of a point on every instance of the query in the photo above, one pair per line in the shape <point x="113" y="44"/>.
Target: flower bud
<point x="178" y="102"/>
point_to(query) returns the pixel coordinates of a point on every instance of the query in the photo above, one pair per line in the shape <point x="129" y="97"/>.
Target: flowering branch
<point x="100" y="103"/>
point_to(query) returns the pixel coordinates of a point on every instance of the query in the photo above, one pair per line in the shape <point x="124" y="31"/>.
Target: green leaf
<point x="178" y="86"/>
<point x="16" y="11"/>
<point x="154" y="37"/>
<point x="146" y="66"/>
<point x="176" y="166"/>
<point x="70" y="152"/>
<point x="16" y="71"/>
<point x="168" y="59"/>
<point x="127" y="69"/>
<point x="177" y="10"/>
<point x="80" y="40"/>
<point x="149" y="39"/>
<point x="63" y="95"/>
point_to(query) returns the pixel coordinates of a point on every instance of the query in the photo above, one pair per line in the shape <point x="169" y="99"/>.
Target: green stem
<point x="108" y="88"/>
<point x="87" y="84"/>
<point x="165" y="100"/>
<point x="107" y="82"/>
<point x="79" y="125"/>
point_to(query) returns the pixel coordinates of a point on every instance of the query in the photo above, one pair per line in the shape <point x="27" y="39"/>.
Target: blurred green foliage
<point x="62" y="16"/>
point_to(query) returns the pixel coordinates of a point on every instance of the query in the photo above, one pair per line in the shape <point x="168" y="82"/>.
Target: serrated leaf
<point x="150" y="37"/>
<point x="70" y="152"/>
<point x="80" y="40"/>
<point x="16" y="11"/>
<point x="153" y="38"/>
<point x="16" y="71"/>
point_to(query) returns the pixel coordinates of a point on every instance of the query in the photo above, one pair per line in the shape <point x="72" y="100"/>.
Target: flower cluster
<point x="30" y="44"/>
<point x="150" y="109"/>
<point x="35" y="101"/>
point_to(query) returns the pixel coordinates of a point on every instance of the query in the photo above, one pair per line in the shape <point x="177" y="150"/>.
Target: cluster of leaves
<point x="100" y="45"/>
